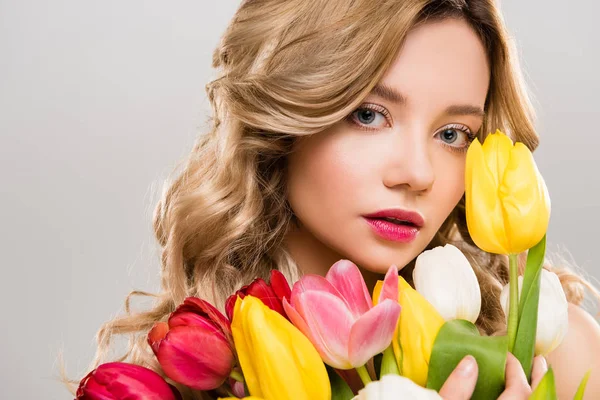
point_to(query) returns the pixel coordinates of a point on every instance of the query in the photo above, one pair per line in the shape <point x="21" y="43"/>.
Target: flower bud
<point x="277" y="360"/>
<point x="417" y="329"/>
<point x="118" y="380"/>
<point x="553" y="316"/>
<point x="444" y="276"/>
<point x="194" y="347"/>
<point x="507" y="203"/>
<point x="393" y="387"/>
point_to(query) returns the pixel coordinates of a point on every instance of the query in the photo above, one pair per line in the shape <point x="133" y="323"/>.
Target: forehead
<point x="441" y="62"/>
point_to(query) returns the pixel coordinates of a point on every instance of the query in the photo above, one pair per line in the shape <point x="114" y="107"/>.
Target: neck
<point x="313" y="257"/>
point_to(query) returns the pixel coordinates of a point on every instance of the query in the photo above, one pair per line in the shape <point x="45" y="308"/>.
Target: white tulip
<point x="553" y="316"/>
<point x="444" y="276"/>
<point x="394" y="387"/>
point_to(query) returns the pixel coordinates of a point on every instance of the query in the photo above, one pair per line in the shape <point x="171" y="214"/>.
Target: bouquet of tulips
<point x="329" y="338"/>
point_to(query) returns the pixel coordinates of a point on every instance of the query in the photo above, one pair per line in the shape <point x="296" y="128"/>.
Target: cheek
<point x="324" y="175"/>
<point x="450" y="182"/>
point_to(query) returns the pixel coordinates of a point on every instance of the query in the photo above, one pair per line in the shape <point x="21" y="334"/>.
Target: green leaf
<point x="535" y="260"/>
<point x="339" y="388"/>
<point x="546" y="389"/>
<point x="582" y="385"/>
<point x="459" y="338"/>
<point x="528" y="307"/>
<point x="388" y="363"/>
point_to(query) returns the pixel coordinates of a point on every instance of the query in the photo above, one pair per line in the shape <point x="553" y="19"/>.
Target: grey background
<point x="99" y="100"/>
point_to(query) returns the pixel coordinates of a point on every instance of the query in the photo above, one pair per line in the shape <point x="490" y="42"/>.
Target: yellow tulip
<point x="507" y="202"/>
<point x="237" y="398"/>
<point x="417" y="329"/>
<point x="277" y="360"/>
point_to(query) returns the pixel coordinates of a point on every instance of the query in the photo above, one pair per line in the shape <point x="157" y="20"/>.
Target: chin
<point x="379" y="261"/>
<point x="377" y="257"/>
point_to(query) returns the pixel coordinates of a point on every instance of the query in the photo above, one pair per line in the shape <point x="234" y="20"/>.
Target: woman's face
<point x="403" y="150"/>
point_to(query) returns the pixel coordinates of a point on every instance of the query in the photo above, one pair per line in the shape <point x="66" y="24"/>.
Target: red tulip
<point x="194" y="347"/>
<point x="271" y="295"/>
<point x="117" y="381"/>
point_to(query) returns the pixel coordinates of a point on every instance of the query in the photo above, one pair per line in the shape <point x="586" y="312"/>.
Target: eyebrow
<point x="393" y="96"/>
<point x="465" y="109"/>
<point x="388" y="93"/>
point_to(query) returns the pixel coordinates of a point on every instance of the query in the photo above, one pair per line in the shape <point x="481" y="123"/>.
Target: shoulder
<point x="578" y="353"/>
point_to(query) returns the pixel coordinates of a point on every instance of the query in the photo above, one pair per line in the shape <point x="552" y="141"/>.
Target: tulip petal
<point x="259" y="289"/>
<point x="280" y="285"/>
<point x="525" y="201"/>
<point x="244" y="347"/>
<point x="396" y="387"/>
<point x="230" y="305"/>
<point x="373" y="332"/>
<point x="237" y="388"/>
<point x="195" y="358"/>
<point x="496" y="149"/>
<point x="444" y="276"/>
<point x="311" y="282"/>
<point x="390" y="285"/>
<point x="329" y="322"/>
<point x="552" y="316"/>
<point x="485" y="218"/>
<point x="298" y="321"/>
<point x="117" y="380"/>
<point x="418" y="327"/>
<point x="192" y="319"/>
<point x="204" y="308"/>
<point x="289" y="365"/>
<point x="157" y="334"/>
<point x="345" y="276"/>
<point x="95" y="390"/>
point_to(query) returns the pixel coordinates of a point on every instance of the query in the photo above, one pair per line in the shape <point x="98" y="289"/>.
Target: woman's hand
<point x="461" y="382"/>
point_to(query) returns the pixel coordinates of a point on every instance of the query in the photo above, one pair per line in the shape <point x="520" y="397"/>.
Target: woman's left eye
<point x="456" y="136"/>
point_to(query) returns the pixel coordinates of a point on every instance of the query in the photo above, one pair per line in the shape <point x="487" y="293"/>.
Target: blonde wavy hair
<point x="289" y="68"/>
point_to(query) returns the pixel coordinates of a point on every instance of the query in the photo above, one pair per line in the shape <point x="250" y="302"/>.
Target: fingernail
<point x="544" y="363"/>
<point x="467" y="366"/>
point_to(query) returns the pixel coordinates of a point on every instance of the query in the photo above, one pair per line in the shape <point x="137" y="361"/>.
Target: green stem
<point x="513" y="309"/>
<point x="236" y="375"/>
<point x="364" y="374"/>
<point x="388" y="363"/>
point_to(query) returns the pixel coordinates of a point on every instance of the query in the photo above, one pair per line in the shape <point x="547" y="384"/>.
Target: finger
<point x="540" y="366"/>
<point x="517" y="386"/>
<point x="461" y="382"/>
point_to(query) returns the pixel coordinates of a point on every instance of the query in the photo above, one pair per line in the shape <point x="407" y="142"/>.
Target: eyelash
<point x="460" y="127"/>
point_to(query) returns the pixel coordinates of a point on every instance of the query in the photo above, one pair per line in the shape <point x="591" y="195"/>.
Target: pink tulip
<point x="237" y="388"/>
<point x="117" y="380"/>
<point x="271" y="294"/>
<point x="337" y="314"/>
<point x="194" y="347"/>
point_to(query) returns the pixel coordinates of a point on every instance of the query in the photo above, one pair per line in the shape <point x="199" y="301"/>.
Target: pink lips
<point x="405" y="229"/>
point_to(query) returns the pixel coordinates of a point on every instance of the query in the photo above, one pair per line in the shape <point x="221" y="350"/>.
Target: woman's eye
<point x="457" y="136"/>
<point x="450" y="135"/>
<point x="369" y="118"/>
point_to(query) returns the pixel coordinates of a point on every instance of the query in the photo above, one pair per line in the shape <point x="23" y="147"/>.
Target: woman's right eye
<point x="370" y="117"/>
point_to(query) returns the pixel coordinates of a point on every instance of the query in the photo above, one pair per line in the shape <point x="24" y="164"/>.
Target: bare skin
<point x="410" y="154"/>
<point x="407" y="154"/>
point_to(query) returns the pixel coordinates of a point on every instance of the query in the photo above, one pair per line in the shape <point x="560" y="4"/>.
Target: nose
<point x="409" y="163"/>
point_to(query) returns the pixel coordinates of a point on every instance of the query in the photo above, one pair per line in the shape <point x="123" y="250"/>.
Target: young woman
<point x="326" y="113"/>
